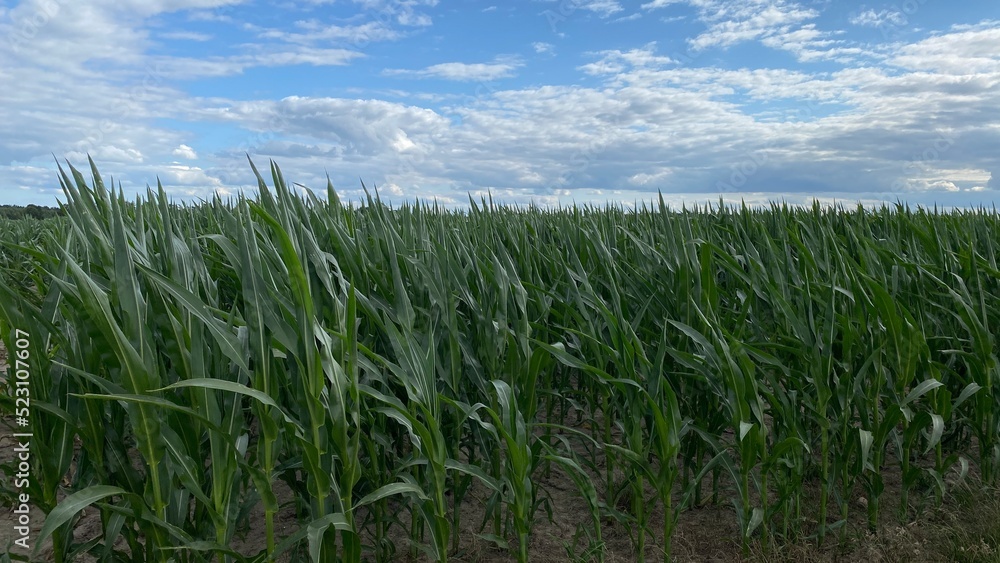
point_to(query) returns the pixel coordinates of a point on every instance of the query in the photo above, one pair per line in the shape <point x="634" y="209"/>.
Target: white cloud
<point x="179" y="174"/>
<point x="108" y="153"/>
<point x="650" y="179"/>
<point x="731" y="23"/>
<point x="963" y="53"/>
<point x="391" y="188"/>
<point x="542" y="48"/>
<point x="410" y="18"/>
<point x="312" y="32"/>
<point x="615" y="61"/>
<point x="923" y="124"/>
<point x="185" y="36"/>
<point x="118" y="88"/>
<point x="184" y="151"/>
<point x="871" y="18"/>
<point x="402" y="142"/>
<point x="563" y="8"/>
<point x="315" y="57"/>
<point x="657" y="4"/>
<point x="604" y="8"/>
<point x="464" y="72"/>
<point x="405" y="12"/>
<point x="359" y="127"/>
<point x="189" y="68"/>
<point x="629" y="18"/>
<point x="779" y="24"/>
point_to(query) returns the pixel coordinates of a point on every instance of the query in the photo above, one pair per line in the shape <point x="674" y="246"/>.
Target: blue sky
<point x="544" y="101"/>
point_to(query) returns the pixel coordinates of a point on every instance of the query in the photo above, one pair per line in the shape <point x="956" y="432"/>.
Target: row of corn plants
<point x="368" y="369"/>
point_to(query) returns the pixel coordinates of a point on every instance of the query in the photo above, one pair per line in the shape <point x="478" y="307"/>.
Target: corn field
<point x="382" y="363"/>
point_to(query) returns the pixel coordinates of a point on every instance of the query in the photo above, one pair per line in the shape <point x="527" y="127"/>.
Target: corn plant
<point x="383" y="362"/>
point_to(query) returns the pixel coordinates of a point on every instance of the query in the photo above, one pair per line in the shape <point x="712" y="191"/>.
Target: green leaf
<point x="920" y="390"/>
<point x="317" y="529"/>
<point x="71" y="506"/>
<point x="390" y="490"/>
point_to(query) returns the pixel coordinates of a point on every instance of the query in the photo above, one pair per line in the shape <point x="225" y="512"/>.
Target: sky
<point x="550" y="102"/>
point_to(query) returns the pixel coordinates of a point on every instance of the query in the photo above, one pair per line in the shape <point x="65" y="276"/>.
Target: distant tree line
<point x="29" y="211"/>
